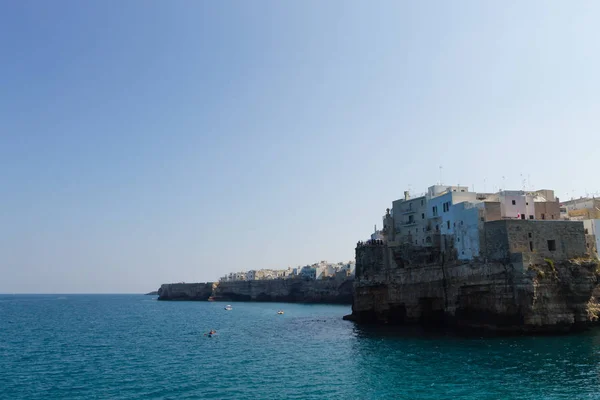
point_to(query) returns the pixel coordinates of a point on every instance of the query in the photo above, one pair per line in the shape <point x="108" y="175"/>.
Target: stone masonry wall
<point x="504" y="239"/>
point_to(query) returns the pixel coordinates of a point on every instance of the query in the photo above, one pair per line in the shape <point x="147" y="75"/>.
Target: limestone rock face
<point x="510" y="297"/>
<point x="277" y="290"/>
<point x="287" y="290"/>
<point x="185" y="291"/>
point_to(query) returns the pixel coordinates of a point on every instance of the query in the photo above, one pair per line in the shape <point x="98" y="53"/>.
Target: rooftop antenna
<point x="484" y="185"/>
<point x="441" y="175"/>
<point x="503" y="183"/>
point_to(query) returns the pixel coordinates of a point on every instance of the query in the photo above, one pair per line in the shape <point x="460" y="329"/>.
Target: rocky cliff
<point x="287" y="290"/>
<point x="278" y="290"/>
<point x="185" y="291"/>
<point x="511" y="296"/>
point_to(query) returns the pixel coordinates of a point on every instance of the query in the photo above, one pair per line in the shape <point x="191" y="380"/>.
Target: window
<point x="531" y="217"/>
<point x="482" y="219"/>
<point x="514" y="202"/>
<point x="552" y="245"/>
<point x="421" y="201"/>
<point x="586" y="231"/>
<point x="448" y="224"/>
<point x="458" y="239"/>
<point x="530" y="245"/>
<point x="446" y="206"/>
<point x="437" y="227"/>
<point x="422" y="215"/>
<point x="543" y="216"/>
<point x="461" y="222"/>
<point x="552" y="216"/>
<point x="526" y="203"/>
<point x="529" y="234"/>
<point x="522" y="216"/>
<point x="434" y="210"/>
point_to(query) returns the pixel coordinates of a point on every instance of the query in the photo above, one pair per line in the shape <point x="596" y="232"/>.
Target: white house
<point x="516" y="204"/>
<point x="440" y="211"/>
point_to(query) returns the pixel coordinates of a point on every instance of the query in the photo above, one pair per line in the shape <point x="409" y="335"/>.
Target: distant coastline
<point x="328" y="291"/>
<point x="154" y="293"/>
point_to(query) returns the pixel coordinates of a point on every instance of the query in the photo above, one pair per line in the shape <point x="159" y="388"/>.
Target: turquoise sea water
<point x="134" y="347"/>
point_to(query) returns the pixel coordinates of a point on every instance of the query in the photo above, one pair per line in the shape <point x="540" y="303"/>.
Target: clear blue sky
<point x="145" y="141"/>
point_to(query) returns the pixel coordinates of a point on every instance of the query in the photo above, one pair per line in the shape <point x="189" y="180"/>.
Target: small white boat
<point x="280" y="312"/>
<point x="228" y="307"/>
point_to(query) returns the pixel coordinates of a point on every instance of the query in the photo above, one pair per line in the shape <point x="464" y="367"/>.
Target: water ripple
<point x="127" y="347"/>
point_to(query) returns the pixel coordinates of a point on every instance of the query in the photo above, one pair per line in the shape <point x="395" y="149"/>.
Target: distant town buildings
<point x="321" y="270"/>
<point x="447" y="222"/>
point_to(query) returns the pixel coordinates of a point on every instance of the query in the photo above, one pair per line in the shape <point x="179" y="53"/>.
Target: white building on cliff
<point x="450" y="217"/>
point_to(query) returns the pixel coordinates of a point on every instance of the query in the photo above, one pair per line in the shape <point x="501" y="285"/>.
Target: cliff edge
<point x="287" y="290"/>
<point x="185" y="291"/>
<point x="277" y="290"/>
<point x="512" y="291"/>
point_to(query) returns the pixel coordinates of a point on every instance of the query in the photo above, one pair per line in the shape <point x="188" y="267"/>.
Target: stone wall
<point x="495" y="246"/>
<point x="493" y="211"/>
<point x="557" y="240"/>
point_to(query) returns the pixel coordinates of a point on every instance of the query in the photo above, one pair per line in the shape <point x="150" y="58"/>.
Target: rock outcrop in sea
<point x="512" y="289"/>
<point x="185" y="291"/>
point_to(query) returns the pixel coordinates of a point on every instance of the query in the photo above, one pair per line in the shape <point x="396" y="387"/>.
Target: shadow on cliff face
<point x="234" y="297"/>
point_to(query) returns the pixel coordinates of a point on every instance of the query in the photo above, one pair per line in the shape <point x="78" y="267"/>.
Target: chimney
<point x="406" y="195"/>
